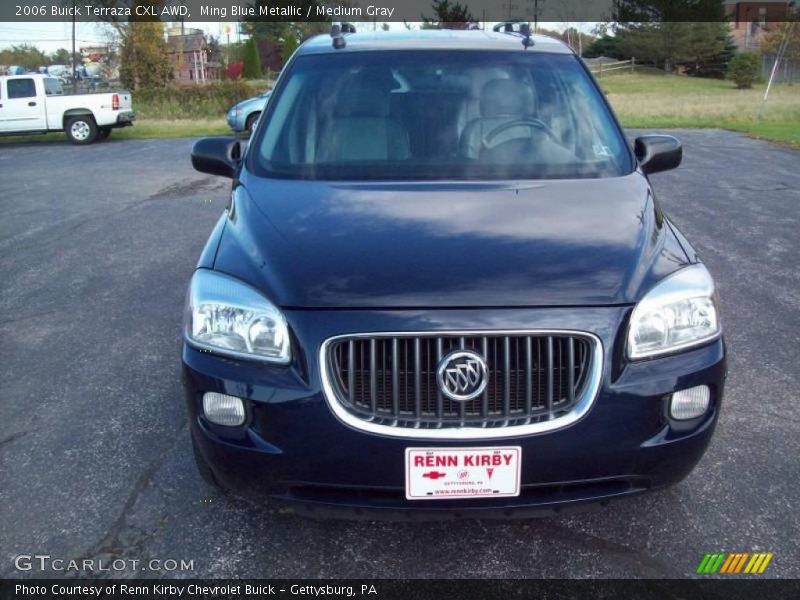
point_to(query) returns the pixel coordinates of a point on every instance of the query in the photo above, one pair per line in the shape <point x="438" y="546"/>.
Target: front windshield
<point x="439" y="115"/>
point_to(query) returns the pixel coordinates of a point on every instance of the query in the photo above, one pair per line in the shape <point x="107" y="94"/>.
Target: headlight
<point x="229" y="317"/>
<point x="678" y="313"/>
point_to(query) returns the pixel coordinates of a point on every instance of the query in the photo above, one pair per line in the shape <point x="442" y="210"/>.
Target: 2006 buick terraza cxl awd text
<point x="444" y="285"/>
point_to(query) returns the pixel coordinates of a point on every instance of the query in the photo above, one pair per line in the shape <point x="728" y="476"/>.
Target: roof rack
<point x="338" y="31"/>
<point x="523" y="30"/>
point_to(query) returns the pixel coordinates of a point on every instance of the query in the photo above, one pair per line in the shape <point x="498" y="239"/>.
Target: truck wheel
<point x="103" y="133"/>
<point x="81" y="129"/>
<point x="251" y="121"/>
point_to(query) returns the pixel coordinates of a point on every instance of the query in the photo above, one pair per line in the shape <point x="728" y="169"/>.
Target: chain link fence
<point x="788" y="70"/>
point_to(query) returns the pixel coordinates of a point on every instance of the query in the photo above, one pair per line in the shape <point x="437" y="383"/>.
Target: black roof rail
<point x="523" y="30"/>
<point x="338" y="31"/>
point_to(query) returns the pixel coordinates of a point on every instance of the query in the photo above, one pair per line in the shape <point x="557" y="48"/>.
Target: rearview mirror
<point x="658" y="152"/>
<point x="218" y="155"/>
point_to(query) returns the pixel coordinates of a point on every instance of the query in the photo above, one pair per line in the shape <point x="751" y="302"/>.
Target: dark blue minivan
<point x="444" y="285"/>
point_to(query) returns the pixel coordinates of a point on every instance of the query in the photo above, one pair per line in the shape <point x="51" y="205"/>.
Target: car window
<point x="21" y="88"/>
<point x="439" y="115"/>
<point x="52" y="87"/>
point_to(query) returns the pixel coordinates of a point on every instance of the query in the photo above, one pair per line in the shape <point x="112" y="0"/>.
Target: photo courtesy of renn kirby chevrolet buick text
<point x="445" y="285"/>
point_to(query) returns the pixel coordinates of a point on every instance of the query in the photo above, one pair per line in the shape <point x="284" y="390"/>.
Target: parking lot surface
<point x="97" y="245"/>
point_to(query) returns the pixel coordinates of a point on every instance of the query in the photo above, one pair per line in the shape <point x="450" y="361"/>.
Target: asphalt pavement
<point x="97" y="245"/>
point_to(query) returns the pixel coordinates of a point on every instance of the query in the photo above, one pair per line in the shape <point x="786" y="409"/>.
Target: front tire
<point x="251" y="122"/>
<point x="81" y="130"/>
<point x="103" y="133"/>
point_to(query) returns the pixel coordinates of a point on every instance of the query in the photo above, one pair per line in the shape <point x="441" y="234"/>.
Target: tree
<point x="214" y="49"/>
<point x="672" y="33"/>
<point x="790" y="32"/>
<point x="277" y="30"/>
<point x="707" y="51"/>
<point x="144" y="59"/>
<point x="652" y="42"/>
<point x="607" y="45"/>
<point x="448" y="15"/>
<point x="743" y="69"/>
<point x="143" y="56"/>
<point x="288" y="48"/>
<point x="252" y="62"/>
<point x="62" y="56"/>
<point x="27" y="56"/>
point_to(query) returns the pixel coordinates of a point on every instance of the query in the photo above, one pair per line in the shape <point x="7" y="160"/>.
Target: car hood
<point x="310" y="244"/>
<point x="257" y="102"/>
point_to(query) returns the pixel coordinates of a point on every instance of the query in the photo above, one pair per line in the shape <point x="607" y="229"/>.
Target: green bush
<point x="743" y="69"/>
<point x="207" y="101"/>
<point x="252" y="62"/>
<point x="289" y="46"/>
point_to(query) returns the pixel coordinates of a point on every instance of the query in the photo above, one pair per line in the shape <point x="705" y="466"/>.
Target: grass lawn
<point x="653" y="100"/>
<point x="172" y="128"/>
<point x="145" y="128"/>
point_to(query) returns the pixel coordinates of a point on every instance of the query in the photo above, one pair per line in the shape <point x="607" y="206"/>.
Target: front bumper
<point x="235" y="120"/>
<point x="292" y="447"/>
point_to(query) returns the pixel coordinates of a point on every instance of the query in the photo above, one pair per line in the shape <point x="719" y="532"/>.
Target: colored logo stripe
<point x="734" y="562"/>
<point x="758" y="563"/>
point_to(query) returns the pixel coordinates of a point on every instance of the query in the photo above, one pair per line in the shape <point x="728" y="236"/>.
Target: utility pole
<point x="228" y="48"/>
<point x="74" y="68"/>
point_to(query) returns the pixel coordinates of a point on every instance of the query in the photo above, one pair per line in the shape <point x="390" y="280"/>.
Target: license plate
<point x="447" y="473"/>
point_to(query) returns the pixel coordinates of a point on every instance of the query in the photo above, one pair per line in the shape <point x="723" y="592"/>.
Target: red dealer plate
<point x="447" y="473"/>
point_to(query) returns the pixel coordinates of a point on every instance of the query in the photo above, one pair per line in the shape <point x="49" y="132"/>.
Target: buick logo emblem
<point x="462" y="375"/>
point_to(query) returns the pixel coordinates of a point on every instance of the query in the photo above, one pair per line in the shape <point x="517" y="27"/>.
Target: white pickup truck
<point x="34" y="103"/>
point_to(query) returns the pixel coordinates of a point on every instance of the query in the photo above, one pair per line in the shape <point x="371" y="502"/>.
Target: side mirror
<point x="658" y="152"/>
<point x="218" y="155"/>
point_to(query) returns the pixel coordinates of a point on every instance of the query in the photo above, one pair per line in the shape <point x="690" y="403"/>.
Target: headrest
<point x="368" y="98"/>
<point x="505" y="98"/>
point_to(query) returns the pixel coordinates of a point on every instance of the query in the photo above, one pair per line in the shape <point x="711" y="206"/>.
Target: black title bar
<point x="419" y="589"/>
<point x="370" y="11"/>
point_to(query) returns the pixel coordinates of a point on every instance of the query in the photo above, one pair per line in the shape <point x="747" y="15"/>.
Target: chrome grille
<point x="390" y="379"/>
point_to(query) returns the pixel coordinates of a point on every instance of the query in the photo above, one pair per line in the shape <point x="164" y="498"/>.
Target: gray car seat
<point x="502" y="101"/>
<point x="361" y="129"/>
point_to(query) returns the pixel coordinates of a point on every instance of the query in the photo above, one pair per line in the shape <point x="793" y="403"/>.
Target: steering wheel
<point x="529" y="122"/>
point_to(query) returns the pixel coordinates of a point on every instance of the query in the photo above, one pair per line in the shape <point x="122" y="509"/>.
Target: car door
<point x="20" y="107"/>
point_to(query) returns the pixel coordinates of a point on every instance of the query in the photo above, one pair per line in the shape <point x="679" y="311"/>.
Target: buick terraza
<point x="444" y="285"/>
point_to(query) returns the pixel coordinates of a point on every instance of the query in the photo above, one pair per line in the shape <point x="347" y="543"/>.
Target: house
<point x="189" y="56"/>
<point x="751" y="20"/>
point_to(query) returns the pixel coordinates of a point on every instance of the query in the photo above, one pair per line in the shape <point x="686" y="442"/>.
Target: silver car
<point x="243" y="116"/>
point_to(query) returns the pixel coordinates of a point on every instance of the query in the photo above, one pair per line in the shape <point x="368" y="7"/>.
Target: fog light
<point x="223" y="409"/>
<point x="689" y="404"/>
